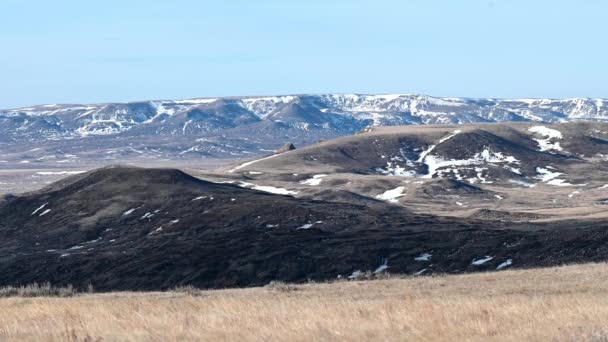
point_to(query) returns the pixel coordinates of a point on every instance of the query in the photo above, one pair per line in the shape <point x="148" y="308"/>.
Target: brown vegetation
<point x="563" y="303"/>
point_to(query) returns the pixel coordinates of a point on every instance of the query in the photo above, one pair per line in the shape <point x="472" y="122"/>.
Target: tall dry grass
<point x="559" y="304"/>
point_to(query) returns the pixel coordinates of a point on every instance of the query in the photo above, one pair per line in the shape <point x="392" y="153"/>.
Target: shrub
<point x="37" y="290"/>
<point x="188" y="289"/>
<point x="280" y="286"/>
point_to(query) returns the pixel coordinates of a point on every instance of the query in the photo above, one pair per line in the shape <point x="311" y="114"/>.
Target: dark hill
<point x="126" y="228"/>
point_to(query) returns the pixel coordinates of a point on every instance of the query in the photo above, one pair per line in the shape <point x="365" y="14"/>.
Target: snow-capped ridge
<point x="345" y="113"/>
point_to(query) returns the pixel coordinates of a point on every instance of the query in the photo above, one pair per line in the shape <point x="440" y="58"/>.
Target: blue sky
<point x="66" y="51"/>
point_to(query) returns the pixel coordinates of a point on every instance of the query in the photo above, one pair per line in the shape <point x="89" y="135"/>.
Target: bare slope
<point x="454" y="169"/>
<point x="145" y="229"/>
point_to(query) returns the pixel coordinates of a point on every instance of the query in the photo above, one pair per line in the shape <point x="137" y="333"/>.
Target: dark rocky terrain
<point x="124" y="228"/>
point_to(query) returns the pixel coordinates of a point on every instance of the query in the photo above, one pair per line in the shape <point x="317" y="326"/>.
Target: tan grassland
<point x="559" y="304"/>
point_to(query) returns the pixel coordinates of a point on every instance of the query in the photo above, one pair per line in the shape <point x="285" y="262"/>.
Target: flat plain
<point x="560" y="304"/>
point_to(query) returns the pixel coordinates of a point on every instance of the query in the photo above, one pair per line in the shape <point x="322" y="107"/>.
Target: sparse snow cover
<point x="264" y="106"/>
<point x="392" y="195"/>
<point x="507" y="263"/>
<point x="573" y="193"/>
<point x="486" y="156"/>
<point x="310" y="225"/>
<point x="561" y="182"/>
<point x="40" y="208"/>
<point x="513" y="169"/>
<point x="129" y="212"/>
<point x="393" y="169"/>
<point x="382" y="267"/>
<point x="100" y="119"/>
<point x="251" y="162"/>
<point x="432" y="147"/>
<point x="195" y="101"/>
<point x="550" y="177"/>
<point x="52" y="173"/>
<point x="266" y="188"/>
<point x="495" y="157"/>
<point x="482" y="261"/>
<point x="186" y="126"/>
<point x="545" y="175"/>
<point x="356" y="274"/>
<point x="273" y="190"/>
<point x="549" y="134"/>
<point x="314" y="181"/>
<point x="424" y="257"/>
<point x="519" y="182"/>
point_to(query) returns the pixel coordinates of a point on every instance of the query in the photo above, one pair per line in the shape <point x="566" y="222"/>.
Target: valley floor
<point x="562" y="303"/>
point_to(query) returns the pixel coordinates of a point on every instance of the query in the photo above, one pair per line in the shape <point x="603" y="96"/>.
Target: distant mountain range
<point x="242" y="126"/>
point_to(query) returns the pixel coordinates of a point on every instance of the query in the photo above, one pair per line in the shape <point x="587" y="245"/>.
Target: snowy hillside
<point x="237" y="126"/>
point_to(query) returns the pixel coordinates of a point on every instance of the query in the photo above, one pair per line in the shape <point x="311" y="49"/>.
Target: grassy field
<point x="559" y="304"/>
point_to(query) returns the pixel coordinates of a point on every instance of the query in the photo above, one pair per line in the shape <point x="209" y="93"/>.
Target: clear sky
<point x="76" y="51"/>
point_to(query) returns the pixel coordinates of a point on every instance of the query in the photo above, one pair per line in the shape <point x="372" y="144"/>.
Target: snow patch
<point x="53" y="173"/>
<point x="507" y="263"/>
<point x="549" y="134"/>
<point x="382" y="267"/>
<point x="267" y="188"/>
<point x="40" y="208"/>
<point x="355" y="275"/>
<point x="310" y="225"/>
<point x="392" y="195"/>
<point x="550" y="177"/>
<point x="486" y="156"/>
<point x="424" y="257"/>
<point x="129" y="212"/>
<point x="251" y="162"/>
<point x="519" y="182"/>
<point x="314" y="181"/>
<point x="432" y="147"/>
<point x="482" y="261"/>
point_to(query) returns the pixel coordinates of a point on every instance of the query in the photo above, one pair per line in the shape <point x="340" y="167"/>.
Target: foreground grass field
<point x="560" y="304"/>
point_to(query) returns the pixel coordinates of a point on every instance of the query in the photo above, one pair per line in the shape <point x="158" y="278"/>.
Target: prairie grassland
<point x="559" y="304"/>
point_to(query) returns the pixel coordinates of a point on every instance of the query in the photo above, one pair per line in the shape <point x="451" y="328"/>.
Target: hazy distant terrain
<point x="62" y="139"/>
<point x="60" y="135"/>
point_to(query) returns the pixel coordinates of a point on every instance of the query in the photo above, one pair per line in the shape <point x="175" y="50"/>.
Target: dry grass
<point x="38" y="290"/>
<point x="560" y="304"/>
